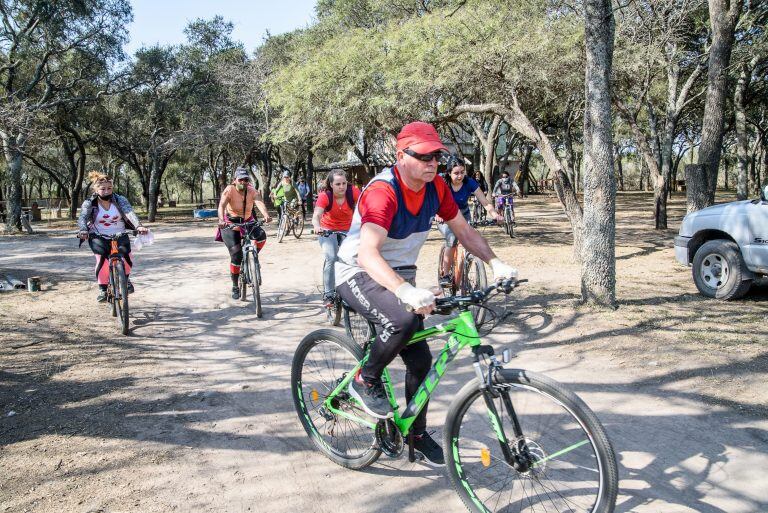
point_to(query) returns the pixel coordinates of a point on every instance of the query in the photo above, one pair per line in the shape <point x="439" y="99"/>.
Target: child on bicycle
<point x="333" y="211"/>
<point x="236" y="206"/>
<point x="461" y="187"/>
<point x="503" y="190"/>
<point x="102" y="215"/>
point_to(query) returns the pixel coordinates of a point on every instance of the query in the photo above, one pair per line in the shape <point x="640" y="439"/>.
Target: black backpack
<point x="349" y="195"/>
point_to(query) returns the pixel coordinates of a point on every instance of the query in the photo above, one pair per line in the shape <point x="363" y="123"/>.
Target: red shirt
<point x="379" y="203"/>
<point x="339" y="217"/>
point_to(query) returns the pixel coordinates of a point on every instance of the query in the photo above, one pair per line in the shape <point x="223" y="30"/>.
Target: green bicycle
<point x="515" y="440"/>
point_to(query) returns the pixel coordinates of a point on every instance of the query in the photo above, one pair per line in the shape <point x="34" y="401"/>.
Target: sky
<point x="163" y="21"/>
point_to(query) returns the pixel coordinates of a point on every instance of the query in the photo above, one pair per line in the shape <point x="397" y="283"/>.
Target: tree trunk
<point x="310" y="175"/>
<point x="570" y="156"/>
<point x="525" y="168"/>
<point x="13" y="146"/>
<point x="157" y="168"/>
<point x="647" y="152"/>
<point x="723" y="18"/>
<point x="517" y="120"/>
<point x="598" y="269"/>
<point x="696" y="187"/>
<point x="487" y="145"/>
<point x="620" y="169"/>
<point x="742" y="137"/>
<point x="223" y="181"/>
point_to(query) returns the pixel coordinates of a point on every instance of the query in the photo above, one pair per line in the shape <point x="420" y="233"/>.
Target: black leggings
<point x="394" y="327"/>
<point x="233" y="240"/>
<point x="102" y="246"/>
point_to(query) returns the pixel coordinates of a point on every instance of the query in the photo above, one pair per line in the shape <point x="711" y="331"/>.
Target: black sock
<point x="102" y="287"/>
<point x="235" y="279"/>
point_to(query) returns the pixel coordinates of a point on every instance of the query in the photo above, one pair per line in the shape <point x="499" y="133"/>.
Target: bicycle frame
<point x="463" y="334"/>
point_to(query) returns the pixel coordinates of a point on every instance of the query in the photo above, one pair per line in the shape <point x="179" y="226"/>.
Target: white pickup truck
<point x="727" y="245"/>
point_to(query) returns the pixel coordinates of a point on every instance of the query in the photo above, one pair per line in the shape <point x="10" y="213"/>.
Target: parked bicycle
<point x="466" y="275"/>
<point x="250" y="274"/>
<point x="508" y="212"/>
<point x="290" y="220"/>
<point x="515" y="440"/>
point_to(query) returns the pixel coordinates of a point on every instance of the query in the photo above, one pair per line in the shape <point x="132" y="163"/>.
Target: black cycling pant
<point x="101" y="246"/>
<point x="233" y="240"/>
<point x="394" y="327"/>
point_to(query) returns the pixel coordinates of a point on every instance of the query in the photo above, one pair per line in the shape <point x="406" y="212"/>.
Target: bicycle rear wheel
<point x="358" y="328"/>
<point x="474" y="278"/>
<point x="570" y="464"/>
<point x="298" y="226"/>
<point x="321" y="361"/>
<point x="121" y="296"/>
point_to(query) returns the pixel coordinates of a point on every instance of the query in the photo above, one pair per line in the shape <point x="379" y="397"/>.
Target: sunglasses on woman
<point x="425" y="157"/>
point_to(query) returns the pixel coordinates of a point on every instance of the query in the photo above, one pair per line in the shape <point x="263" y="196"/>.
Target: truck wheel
<point x="719" y="270"/>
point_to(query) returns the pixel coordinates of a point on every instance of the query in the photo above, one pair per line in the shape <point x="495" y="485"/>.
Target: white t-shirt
<point x="109" y="222"/>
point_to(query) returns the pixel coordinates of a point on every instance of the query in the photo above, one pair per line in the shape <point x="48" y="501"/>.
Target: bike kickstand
<point x="411" y="454"/>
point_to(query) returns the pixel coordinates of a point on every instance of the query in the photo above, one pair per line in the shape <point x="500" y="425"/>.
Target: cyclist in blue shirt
<point x="462" y="187"/>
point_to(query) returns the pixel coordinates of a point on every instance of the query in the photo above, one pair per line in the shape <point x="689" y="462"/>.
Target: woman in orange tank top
<point x="236" y="206"/>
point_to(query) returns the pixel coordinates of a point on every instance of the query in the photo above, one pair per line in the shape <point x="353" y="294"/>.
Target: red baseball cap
<point x="421" y="137"/>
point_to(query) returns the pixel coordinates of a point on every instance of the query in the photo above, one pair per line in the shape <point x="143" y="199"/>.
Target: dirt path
<point x="192" y="412"/>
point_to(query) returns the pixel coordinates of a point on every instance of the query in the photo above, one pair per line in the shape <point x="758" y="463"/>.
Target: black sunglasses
<point x="425" y="157"/>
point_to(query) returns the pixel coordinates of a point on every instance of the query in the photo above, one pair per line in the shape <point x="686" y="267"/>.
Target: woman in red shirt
<point x="333" y="213"/>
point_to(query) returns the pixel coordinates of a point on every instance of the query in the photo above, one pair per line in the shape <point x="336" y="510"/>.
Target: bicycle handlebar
<point x="444" y="306"/>
<point x="328" y="233"/>
<point x="111" y="237"/>
<point x="257" y="222"/>
<point x="487" y="222"/>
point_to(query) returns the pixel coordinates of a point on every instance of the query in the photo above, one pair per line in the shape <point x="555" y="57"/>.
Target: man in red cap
<point x="375" y="270"/>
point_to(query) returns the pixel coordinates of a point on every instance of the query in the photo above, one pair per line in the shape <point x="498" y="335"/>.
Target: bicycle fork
<point x="519" y="458"/>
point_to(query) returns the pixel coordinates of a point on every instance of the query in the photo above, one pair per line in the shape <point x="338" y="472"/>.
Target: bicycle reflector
<point x="315" y="396"/>
<point x="485" y="457"/>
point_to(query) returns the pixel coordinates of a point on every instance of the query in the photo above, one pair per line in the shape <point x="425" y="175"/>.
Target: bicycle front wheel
<point x="242" y="284"/>
<point x="254" y="278"/>
<point x="509" y="221"/>
<point x="473" y="279"/>
<point x="450" y="288"/>
<point x="321" y="361"/>
<point x="121" y="296"/>
<point x="298" y="226"/>
<point x="333" y="313"/>
<point x="111" y="291"/>
<point x="570" y="464"/>
<point x="282" y="227"/>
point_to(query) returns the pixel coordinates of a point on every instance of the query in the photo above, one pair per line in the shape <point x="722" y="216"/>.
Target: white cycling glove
<point x="414" y="297"/>
<point x="502" y="271"/>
